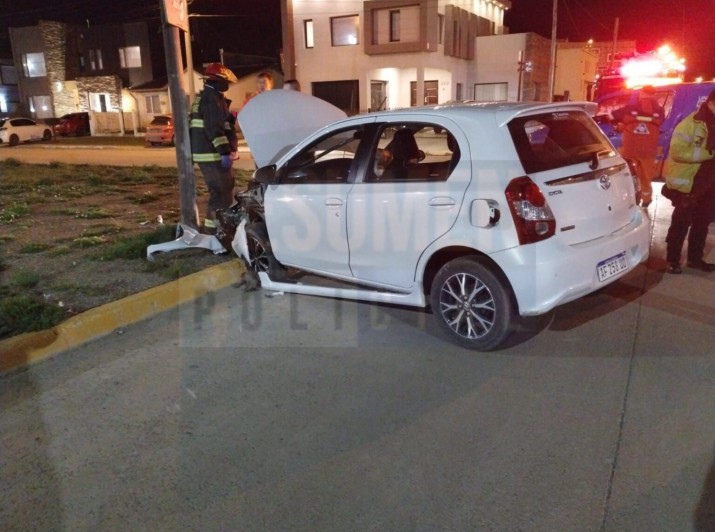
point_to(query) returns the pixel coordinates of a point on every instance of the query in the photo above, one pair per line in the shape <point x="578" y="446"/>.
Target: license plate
<point x="612" y="266"/>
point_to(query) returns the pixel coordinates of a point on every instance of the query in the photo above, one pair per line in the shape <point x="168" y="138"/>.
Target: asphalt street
<point x="45" y="153"/>
<point x="254" y="411"/>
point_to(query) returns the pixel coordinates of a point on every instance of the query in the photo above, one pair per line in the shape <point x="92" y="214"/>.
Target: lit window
<point x="130" y="57"/>
<point x="153" y="105"/>
<point x="41" y="106"/>
<point x="344" y="30"/>
<point x="308" y="28"/>
<point x="34" y="65"/>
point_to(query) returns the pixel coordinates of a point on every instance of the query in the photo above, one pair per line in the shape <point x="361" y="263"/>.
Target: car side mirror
<point x="266" y="175"/>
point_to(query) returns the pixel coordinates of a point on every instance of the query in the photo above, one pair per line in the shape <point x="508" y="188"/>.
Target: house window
<point x="459" y="92"/>
<point x="130" y="57"/>
<point x="8" y="75"/>
<point x="490" y="92"/>
<point x="100" y="102"/>
<point x="153" y="106"/>
<point x="441" y="28"/>
<point x="34" y="65"/>
<point x="395" y="25"/>
<point x="308" y="31"/>
<point x="344" y="30"/>
<point x="41" y="106"/>
<point x="80" y="62"/>
<point x="95" y="60"/>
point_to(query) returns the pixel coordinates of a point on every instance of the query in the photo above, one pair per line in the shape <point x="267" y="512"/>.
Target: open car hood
<point x="275" y="121"/>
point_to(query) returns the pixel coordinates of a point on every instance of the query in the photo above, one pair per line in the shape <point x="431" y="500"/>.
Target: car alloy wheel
<point x="472" y="304"/>
<point x="259" y="249"/>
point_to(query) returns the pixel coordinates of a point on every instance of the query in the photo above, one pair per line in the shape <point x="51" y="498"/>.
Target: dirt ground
<point x="59" y="224"/>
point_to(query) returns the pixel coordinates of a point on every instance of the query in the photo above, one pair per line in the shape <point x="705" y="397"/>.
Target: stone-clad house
<point x="64" y="68"/>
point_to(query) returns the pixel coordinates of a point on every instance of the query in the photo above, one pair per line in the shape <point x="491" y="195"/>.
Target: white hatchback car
<point x="13" y="131"/>
<point x="482" y="211"/>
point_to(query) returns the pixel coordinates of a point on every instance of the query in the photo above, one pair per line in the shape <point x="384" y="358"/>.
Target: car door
<point x="396" y="211"/>
<point x="306" y="211"/>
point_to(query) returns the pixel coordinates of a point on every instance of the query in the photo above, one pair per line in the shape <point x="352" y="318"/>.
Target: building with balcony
<point x="64" y="68"/>
<point x="380" y="54"/>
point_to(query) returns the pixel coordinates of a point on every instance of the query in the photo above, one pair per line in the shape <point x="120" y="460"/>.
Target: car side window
<point x="328" y="160"/>
<point x="413" y="152"/>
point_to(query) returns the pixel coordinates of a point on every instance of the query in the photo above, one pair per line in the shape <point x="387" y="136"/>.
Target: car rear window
<point x="161" y="121"/>
<point x="552" y="140"/>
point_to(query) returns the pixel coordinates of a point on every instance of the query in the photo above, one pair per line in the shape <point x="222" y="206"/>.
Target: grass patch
<point x="83" y="289"/>
<point x="11" y="162"/>
<point x="134" y="247"/>
<point x="60" y="250"/>
<point x="24" y="279"/>
<point x="147" y="197"/>
<point x="94" y="213"/>
<point x="25" y="313"/>
<point x="13" y="212"/>
<point x="34" y="248"/>
<point x="87" y="242"/>
<point x="64" y="212"/>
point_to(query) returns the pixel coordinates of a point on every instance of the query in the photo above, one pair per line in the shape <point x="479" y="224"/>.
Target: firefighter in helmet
<point x="213" y="140"/>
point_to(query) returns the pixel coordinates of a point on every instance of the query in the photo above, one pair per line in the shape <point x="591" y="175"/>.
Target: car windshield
<point x="551" y="140"/>
<point x="161" y="121"/>
<point x="2" y="121"/>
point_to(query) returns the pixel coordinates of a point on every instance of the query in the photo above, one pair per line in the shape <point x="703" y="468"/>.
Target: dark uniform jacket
<point x="212" y="127"/>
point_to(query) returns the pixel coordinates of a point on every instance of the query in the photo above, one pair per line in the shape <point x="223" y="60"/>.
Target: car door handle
<point x="333" y="202"/>
<point x="442" y="201"/>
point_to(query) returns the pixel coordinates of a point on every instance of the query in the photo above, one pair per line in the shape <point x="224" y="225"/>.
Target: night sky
<point x="253" y="26"/>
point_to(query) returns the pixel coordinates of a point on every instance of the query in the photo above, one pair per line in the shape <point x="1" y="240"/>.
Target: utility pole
<point x="174" y="70"/>
<point x="615" y="44"/>
<point x="552" y="65"/>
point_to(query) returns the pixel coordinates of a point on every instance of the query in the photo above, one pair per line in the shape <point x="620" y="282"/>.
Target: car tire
<point x="259" y="249"/>
<point x="173" y="141"/>
<point x="472" y="305"/>
<point x="14" y="140"/>
<point x="46" y="135"/>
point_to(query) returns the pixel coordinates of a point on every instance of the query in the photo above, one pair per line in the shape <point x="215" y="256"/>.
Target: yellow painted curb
<point x="29" y="348"/>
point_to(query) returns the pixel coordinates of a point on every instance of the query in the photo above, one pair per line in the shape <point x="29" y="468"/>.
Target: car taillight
<point x="532" y="216"/>
<point x="633" y="167"/>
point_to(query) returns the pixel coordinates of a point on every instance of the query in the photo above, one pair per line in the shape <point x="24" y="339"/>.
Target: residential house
<point x="64" y="68"/>
<point x="379" y="54"/>
<point x="152" y="98"/>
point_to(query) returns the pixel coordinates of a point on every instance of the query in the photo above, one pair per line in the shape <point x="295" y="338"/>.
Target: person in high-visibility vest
<point x="690" y="186"/>
<point x="640" y="124"/>
<point x="213" y="140"/>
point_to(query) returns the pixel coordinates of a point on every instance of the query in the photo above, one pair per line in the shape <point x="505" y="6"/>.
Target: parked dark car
<point x="160" y="131"/>
<point x="73" y="124"/>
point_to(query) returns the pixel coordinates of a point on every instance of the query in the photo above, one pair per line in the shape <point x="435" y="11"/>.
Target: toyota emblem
<point x="604" y="182"/>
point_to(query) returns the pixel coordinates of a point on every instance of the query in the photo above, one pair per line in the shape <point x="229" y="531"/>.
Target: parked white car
<point x="484" y="212"/>
<point x="13" y="131"/>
